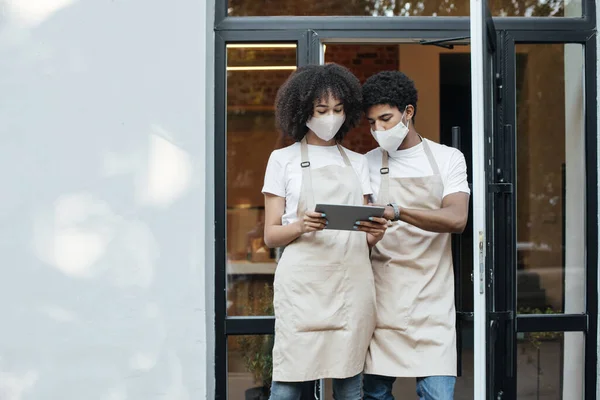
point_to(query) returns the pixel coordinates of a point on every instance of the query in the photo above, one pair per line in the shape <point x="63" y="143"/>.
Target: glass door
<point x="541" y="226"/>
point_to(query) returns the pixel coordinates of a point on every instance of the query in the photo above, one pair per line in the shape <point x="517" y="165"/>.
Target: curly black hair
<point x="294" y="104"/>
<point x="393" y="88"/>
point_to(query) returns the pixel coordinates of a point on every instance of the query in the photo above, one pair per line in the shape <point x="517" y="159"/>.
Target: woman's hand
<point x="312" y="222"/>
<point x="375" y="229"/>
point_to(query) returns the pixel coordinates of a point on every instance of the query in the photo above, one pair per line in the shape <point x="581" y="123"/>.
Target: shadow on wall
<point x="102" y="205"/>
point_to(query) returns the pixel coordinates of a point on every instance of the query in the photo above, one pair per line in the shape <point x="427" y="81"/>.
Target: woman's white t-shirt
<point x="283" y="177"/>
<point x="413" y="162"/>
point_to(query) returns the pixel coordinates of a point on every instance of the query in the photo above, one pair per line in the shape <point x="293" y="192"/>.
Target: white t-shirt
<point x="413" y="162"/>
<point x="283" y="177"/>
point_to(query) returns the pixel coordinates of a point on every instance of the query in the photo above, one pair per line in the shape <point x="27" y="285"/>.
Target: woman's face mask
<point x="392" y="138"/>
<point x="326" y="126"/>
<point x="327" y="119"/>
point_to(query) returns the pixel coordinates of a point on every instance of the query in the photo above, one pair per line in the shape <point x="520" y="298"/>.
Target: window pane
<point x="249" y="366"/>
<point x="389" y="8"/>
<point x="254" y="73"/>
<point x="550" y="179"/>
<point x="550" y="365"/>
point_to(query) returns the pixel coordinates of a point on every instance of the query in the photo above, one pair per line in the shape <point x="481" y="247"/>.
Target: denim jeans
<point x="378" y="387"/>
<point x="343" y="389"/>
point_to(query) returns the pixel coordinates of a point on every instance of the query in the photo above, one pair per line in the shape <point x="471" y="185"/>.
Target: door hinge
<point x="501" y="315"/>
<point x="481" y="263"/>
<point x="501" y="187"/>
<point x="499" y="87"/>
<point x="465" y="315"/>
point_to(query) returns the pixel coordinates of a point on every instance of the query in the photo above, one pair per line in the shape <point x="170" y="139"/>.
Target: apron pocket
<point x="318" y="297"/>
<point x="394" y="298"/>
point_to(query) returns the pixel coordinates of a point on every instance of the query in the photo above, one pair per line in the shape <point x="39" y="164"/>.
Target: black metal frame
<point x="502" y="248"/>
<point x="308" y="32"/>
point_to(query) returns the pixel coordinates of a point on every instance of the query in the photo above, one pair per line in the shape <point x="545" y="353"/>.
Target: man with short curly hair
<point x="424" y="185"/>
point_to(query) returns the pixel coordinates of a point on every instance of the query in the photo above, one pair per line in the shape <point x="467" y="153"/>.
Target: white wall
<point x="102" y="204"/>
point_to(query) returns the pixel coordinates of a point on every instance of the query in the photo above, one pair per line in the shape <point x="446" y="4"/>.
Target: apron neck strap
<point x="344" y="156"/>
<point x="429" y="154"/>
<point x="307" y="197"/>
<point x="384" y="187"/>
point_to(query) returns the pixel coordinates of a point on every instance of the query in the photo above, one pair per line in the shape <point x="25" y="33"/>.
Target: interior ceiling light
<point x="261" y="46"/>
<point x="264" y="68"/>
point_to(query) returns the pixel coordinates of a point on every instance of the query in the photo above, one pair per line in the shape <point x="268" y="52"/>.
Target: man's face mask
<point x="391" y="139"/>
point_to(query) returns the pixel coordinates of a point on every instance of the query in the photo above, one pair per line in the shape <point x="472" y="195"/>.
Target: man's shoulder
<point x="374" y="155"/>
<point x="353" y="155"/>
<point x="441" y="151"/>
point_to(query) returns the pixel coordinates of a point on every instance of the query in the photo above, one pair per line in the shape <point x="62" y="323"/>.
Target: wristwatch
<point x="396" y="211"/>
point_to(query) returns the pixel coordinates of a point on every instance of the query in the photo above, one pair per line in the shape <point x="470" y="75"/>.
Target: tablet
<point x="344" y="217"/>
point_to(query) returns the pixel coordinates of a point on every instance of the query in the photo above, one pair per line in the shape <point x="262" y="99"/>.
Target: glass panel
<point x="550" y="365"/>
<point x="390" y="8"/>
<point x="249" y="367"/>
<point x="254" y="73"/>
<point x="443" y="78"/>
<point x="550" y="179"/>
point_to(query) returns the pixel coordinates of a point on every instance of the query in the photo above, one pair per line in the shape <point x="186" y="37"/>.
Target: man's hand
<point x="388" y="213"/>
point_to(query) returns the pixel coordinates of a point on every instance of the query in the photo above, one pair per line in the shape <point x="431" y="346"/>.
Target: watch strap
<point x="396" y="211"/>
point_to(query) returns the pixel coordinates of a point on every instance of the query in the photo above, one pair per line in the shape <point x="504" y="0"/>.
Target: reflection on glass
<point x="550" y="179"/>
<point x="390" y="8"/>
<point x="550" y="365"/>
<point x="249" y="367"/>
<point x="254" y="74"/>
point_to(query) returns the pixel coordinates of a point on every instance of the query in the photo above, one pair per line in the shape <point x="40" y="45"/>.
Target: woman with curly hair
<point x="324" y="296"/>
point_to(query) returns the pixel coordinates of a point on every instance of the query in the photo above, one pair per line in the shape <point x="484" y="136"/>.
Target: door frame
<point x="304" y="31"/>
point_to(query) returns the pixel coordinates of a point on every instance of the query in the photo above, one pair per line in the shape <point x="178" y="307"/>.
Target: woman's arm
<point x="277" y="235"/>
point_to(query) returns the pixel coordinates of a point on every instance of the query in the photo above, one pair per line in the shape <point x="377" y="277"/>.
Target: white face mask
<point x="327" y="126"/>
<point x="391" y="139"/>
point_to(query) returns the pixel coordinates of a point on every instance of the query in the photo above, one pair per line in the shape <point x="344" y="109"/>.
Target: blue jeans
<point x="343" y="389"/>
<point x="428" y="388"/>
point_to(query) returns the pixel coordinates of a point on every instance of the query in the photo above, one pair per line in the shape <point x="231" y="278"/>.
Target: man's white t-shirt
<point x="283" y="177"/>
<point x="413" y="162"/>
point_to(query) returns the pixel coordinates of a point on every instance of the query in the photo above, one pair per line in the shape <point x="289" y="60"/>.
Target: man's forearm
<point x="444" y="220"/>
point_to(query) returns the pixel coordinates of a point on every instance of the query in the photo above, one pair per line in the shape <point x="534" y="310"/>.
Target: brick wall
<point x="363" y="61"/>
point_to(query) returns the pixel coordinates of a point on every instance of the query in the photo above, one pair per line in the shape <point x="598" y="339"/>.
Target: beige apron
<point x="415" y="332"/>
<point x="324" y="293"/>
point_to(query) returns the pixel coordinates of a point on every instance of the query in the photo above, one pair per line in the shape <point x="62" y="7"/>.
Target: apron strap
<point x="307" y="197"/>
<point x="384" y="186"/>
<point x="429" y="154"/>
<point x="344" y="156"/>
